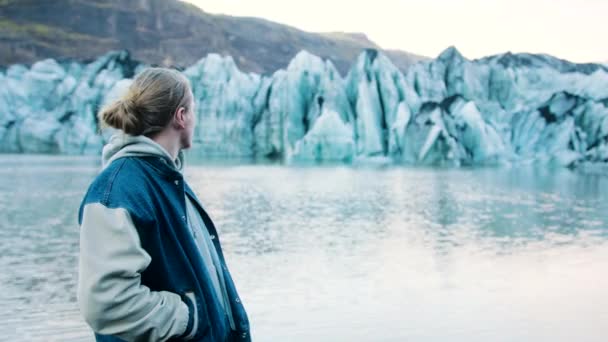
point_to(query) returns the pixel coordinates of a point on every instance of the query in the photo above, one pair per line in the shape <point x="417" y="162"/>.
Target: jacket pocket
<point x="193" y="318"/>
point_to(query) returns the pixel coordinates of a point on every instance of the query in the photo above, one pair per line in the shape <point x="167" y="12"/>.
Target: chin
<point x="186" y="144"/>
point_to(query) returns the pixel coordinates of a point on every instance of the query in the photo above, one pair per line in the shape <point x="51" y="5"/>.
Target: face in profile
<point x="190" y="116"/>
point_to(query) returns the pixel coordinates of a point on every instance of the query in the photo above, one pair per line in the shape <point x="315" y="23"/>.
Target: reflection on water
<point x="342" y="254"/>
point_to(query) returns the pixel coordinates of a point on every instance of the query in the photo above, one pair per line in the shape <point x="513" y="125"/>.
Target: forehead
<point x="192" y="99"/>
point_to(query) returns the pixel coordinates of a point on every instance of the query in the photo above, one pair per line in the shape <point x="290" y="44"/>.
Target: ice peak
<point x="450" y="54"/>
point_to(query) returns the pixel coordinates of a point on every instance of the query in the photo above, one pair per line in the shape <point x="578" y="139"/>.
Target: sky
<point x="575" y="30"/>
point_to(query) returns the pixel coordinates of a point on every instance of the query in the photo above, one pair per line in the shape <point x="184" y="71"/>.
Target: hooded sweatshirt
<point x="169" y="309"/>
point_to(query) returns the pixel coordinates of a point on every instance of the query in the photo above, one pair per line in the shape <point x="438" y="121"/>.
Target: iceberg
<point x="225" y="107"/>
<point x="51" y="107"/>
<point x="330" y="139"/>
<point x="450" y="111"/>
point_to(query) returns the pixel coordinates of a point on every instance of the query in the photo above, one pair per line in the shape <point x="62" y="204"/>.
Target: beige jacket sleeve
<point x="110" y="294"/>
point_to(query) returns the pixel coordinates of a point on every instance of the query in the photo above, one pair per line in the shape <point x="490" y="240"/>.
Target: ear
<point x="179" y="118"/>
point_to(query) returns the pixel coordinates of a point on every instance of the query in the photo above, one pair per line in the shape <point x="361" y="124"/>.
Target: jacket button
<point x="177" y="182"/>
<point x="244" y="335"/>
<point x="237" y="300"/>
<point x="183" y="218"/>
<point x="212" y="237"/>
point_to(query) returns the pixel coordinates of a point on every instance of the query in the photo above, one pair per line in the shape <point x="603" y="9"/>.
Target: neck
<point x="168" y="142"/>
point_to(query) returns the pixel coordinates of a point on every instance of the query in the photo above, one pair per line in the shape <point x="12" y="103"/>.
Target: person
<point x="151" y="267"/>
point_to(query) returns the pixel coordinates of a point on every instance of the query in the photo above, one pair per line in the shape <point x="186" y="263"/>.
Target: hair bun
<point x="131" y="123"/>
<point x="124" y="115"/>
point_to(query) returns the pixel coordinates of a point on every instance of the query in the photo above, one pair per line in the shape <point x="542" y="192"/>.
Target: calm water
<point x="342" y="254"/>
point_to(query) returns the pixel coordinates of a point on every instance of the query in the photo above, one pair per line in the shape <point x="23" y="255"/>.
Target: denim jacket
<point x="141" y="277"/>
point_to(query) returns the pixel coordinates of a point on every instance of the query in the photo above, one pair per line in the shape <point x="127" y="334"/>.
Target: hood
<point x="123" y="145"/>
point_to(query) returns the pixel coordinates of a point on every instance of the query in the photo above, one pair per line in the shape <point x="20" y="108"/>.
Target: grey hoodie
<point x="123" y="145"/>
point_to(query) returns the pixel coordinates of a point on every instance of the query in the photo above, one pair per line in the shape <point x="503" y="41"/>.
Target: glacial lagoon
<point x="342" y="253"/>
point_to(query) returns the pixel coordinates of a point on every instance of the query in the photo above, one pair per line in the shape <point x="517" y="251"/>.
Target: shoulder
<point x="120" y="178"/>
<point x="122" y="184"/>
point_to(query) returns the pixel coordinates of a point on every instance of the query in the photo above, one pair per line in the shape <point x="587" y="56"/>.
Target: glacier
<point x="450" y="111"/>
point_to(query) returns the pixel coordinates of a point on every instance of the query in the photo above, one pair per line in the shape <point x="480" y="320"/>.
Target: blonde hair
<point x="149" y="104"/>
